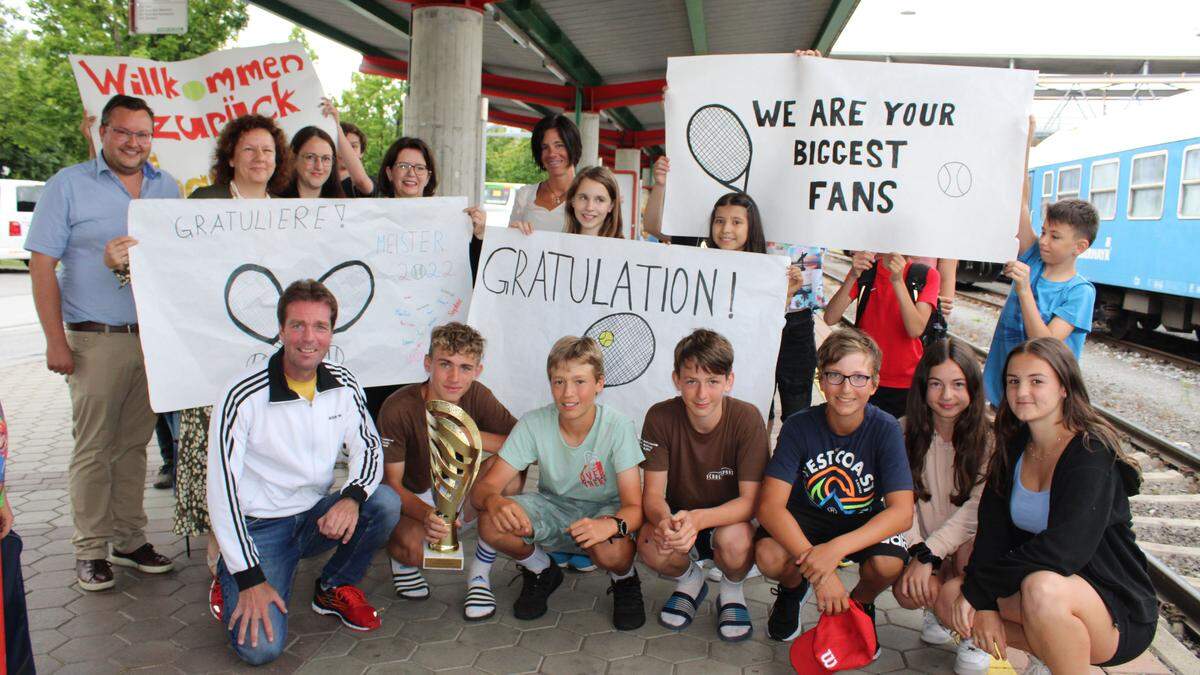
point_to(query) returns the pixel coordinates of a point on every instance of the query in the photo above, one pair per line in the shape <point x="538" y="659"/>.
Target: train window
<point x="1068" y="182"/>
<point x="1103" y="191"/>
<point x="1189" y="187"/>
<point x="1146" y="183"/>
<point x="1047" y="190"/>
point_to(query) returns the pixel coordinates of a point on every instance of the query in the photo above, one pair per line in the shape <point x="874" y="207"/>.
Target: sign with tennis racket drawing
<point x="917" y="159"/>
<point x="637" y="299"/>
<point x="208" y="274"/>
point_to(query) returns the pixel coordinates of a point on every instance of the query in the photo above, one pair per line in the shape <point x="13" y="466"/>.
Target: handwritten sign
<point x="923" y="160"/>
<point x="208" y="274"/>
<point x="192" y="100"/>
<point x="636" y="299"/>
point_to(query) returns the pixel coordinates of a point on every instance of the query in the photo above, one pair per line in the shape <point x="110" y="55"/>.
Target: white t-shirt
<point x="553" y="220"/>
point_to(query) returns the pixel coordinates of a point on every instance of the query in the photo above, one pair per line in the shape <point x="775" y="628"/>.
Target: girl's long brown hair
<point x="971" y="434"/>
<point x="611" y="227"/>
<point x="1079" y="416"/>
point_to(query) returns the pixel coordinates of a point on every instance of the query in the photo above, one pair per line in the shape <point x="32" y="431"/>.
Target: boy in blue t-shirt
<point x="1048" y="297"/>
<point x="838" y="486"/>
<point x="589" y="496"/>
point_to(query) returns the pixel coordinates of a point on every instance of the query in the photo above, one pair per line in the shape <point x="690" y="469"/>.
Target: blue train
<point x="1140" y="168"/>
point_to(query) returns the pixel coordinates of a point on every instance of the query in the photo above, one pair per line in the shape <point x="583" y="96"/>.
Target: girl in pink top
<point x="948" y="441"/>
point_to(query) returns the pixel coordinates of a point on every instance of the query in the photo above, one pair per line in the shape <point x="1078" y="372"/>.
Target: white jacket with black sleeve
<point x="271" y="454"/>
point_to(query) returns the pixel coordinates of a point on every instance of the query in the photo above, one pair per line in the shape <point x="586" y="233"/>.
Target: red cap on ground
<point x="838" y="642"/>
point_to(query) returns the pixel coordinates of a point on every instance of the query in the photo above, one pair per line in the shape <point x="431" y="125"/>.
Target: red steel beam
<point x="607" y="96"/>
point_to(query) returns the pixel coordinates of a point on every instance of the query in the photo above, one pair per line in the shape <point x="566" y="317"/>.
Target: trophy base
<point x="437" y="560"/>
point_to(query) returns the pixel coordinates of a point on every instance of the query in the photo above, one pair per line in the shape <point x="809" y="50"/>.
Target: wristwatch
<point x="622" y="528"/>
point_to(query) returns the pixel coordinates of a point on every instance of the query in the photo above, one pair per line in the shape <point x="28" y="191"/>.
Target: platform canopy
<point x="605" y="56"/>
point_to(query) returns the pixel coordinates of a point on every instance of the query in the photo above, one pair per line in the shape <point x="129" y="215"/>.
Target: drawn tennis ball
<point x="193" y="90"/>
<point x="606" y="338"/>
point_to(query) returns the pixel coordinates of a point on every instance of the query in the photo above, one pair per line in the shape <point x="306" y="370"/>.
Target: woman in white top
<point x="556" y="148"/>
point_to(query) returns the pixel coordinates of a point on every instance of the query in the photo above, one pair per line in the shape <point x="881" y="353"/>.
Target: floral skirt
<point x="191" y="472"/>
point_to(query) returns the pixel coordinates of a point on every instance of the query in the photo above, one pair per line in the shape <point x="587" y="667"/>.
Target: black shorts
<point x="1135" y="638"/>
<point x="703" y="548"/>
<point x="820" y="527"/>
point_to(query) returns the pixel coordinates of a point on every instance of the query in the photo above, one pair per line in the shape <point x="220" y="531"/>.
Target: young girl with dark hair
<point x="948" y="442"/>
<point x="1056" y="570"/>
<point x="314" y="158"/>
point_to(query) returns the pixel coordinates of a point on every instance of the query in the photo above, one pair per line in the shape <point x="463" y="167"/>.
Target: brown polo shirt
<point x="405" y="435"/>
<point x="703" y="470"/>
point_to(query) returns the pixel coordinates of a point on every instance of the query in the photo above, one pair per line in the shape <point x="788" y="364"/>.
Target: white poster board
<point x="208" y="273"/>
<point x="917" y="159"/>
<point x="637" y="299"/>
<point x="192" y="100"/>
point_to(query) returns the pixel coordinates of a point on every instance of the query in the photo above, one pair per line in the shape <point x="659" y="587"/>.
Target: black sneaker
<point x="629" y="611"/>
<point x="535" y="589"/>
<point x="783" y="624"/>
<point x="869" y="609"/>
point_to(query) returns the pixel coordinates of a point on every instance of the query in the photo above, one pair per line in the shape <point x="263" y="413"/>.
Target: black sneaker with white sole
<point x="629" y="609"/>
<point x="783" y="623"/>
<point x="535" y="590"/>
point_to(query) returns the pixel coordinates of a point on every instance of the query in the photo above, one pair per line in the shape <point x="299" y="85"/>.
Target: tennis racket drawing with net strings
<point x="721" y="145"/>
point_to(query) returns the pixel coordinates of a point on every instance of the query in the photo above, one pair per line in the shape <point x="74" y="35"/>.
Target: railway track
<point x="1166" y="514"/>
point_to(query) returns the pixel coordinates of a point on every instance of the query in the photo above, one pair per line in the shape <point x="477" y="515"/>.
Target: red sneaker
<point x="348" y="604"/>
<point x="216" y="601"/>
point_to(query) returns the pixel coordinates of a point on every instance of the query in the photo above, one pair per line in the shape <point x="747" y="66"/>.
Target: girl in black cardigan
<point x="1056" y="570"/>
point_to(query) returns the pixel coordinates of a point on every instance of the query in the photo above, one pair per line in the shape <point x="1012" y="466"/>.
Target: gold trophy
<point x="455" y="453"/>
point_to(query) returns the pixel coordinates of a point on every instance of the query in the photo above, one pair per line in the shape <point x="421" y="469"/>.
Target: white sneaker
<point x="932" y="630"/>
<point x="715" y="574"/>
<point x="1035" y="667"/>
<point x="970" y="660"/>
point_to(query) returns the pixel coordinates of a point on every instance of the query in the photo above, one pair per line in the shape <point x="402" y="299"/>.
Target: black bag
<point x="914" y="279"/>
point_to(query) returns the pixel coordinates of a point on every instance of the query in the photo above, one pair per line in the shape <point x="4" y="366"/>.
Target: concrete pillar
<point x="589" y="131"/>
<point x="443" y="107"/>
<point x="629" y="159"/>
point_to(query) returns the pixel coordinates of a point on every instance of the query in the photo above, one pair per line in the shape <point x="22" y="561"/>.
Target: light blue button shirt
<point x="82" y="208"/>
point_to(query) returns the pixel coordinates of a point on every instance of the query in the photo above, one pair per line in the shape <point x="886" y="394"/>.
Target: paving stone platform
<point x="161" y="624"/>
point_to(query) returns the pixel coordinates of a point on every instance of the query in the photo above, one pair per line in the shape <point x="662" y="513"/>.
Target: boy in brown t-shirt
<point x="453" y="363"/>
<point x="705" y="456"/>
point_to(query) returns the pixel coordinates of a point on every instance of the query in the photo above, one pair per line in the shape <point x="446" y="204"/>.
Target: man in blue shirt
<point x="81" y="221"/>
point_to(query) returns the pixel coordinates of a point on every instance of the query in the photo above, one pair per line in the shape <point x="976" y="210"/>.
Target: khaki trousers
<point x="112" y="419"/>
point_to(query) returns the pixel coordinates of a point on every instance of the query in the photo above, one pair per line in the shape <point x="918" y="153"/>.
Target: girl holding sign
<point x="312" y="171"/>
<point x="1056" y="569"/>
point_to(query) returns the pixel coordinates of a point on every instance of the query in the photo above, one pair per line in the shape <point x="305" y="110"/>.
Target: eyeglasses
<point x="142" y="137"/>
<point x="311" y="158"/>
<point x="417" y="169"/>
<point x="857" y="380"/>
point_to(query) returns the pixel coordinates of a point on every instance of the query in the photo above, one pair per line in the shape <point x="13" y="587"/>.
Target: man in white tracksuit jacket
<point x="276" y="433"/>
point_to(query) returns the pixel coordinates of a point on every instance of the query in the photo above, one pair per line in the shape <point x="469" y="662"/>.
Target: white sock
<point x="624" y="575"/>
<point x="408" y="581"/>
<point x="481" y="565"/>
<point x="689" y="583"/>
<point x="480" y="602"/>
<point x="731" y="592"/>
<point x="537" y="562"/>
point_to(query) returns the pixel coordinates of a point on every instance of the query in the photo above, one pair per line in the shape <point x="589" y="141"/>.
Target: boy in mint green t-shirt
<point x="589" y="487"/>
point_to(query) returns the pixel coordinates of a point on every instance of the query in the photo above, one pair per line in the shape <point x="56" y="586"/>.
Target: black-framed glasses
<point x="417" y="169"/>
<point x="857" y="380"/>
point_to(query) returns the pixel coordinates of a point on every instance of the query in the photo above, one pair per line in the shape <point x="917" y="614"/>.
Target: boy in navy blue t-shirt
<point x="838" y="486"/>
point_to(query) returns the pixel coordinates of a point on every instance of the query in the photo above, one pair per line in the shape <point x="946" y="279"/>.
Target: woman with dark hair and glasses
<point x="313" y="172"/>
<point x="556" y="148"/>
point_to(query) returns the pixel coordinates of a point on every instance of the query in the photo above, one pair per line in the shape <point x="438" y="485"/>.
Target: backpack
<point x="935" y="329"/>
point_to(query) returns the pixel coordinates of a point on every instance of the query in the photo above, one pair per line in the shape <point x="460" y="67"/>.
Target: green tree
<point x="298" y="35"/>
<point x="376" y="105"/>
<point x="509" y="161"/>
<point x="40" y="109"/>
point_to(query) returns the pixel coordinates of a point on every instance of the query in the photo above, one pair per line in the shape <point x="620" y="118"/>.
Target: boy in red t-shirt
<point x="892" y="318"/>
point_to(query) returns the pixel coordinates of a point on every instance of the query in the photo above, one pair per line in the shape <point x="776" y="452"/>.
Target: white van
<point x="17" y="199"/>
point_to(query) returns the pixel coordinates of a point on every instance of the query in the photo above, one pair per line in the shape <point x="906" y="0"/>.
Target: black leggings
<point x="797" y="363"/>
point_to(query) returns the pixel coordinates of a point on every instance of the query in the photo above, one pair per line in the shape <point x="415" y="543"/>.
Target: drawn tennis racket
<point x="627" y="343"/>
<point x="721" y="145"/>
<point x="252" y="294"/>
